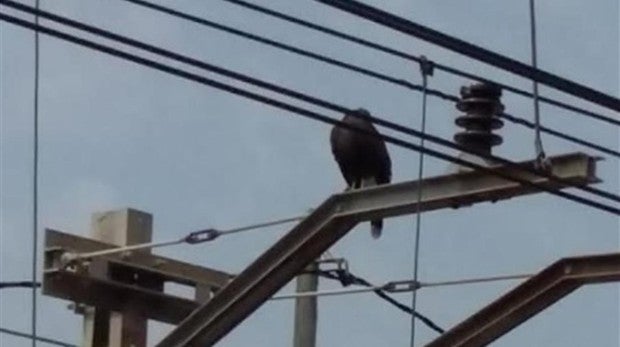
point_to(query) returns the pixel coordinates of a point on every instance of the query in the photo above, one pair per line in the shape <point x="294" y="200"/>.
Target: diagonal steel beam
<point x="529" y="298"/>
<point x="334" y="218"/>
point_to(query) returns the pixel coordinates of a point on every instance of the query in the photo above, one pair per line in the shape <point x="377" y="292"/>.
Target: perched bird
<point x="363" y="159"/>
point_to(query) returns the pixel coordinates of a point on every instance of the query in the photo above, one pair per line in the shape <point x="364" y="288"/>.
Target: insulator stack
<point x="481" y="104"/>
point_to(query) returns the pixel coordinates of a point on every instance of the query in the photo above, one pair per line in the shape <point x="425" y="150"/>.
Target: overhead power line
<point x="397" y="53"/>
<point x="19" y="284"/>
<point x="40" y="339"/>
<point x="35" y="185"/>
<point x="351" y="67"/>
<point x="270" y="86"/>
<point x="468" y="49"/>
<point x="325" y="119"/>
<point x="192" y="238"/>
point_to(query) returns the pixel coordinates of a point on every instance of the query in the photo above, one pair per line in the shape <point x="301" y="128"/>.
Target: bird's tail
<point x="376" y="226"/>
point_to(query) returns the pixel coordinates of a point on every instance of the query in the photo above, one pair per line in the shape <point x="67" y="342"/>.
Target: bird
<point x="362" y="156"/>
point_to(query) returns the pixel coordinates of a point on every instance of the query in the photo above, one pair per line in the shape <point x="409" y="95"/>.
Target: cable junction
<point x="193" y="238"/>
<point x="319" y="117"/>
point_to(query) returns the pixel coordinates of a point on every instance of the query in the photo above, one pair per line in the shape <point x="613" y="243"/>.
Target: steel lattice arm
<point x="333" y="219"/>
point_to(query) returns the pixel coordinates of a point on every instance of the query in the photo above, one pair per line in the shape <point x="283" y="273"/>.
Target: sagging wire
<point x="192" y="238"/>
<point x="541" y="158"/>
<point x="426" y="70"/>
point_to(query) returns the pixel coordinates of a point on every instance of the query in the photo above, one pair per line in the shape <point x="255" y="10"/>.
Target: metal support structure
<point x="104" y="282"/>
<point x="110" y="328"/>
<point x="339" y="214"/>
<point x="306" y="309"/>
<point x="529" y="298"/>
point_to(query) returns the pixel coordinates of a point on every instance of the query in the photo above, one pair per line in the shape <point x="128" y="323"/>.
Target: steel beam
<point x="121" y="282"/>
<point x="334" y="218"/>
<point x="529" y="298"/>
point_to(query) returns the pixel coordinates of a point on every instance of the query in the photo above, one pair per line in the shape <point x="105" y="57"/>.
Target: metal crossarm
<point x="334" y="218"/>
<point x="529" y="298"/>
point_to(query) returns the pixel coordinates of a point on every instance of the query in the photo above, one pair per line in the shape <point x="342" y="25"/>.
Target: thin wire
<point x="418" y="215"/>
<point x="349" y="278"/>
<point x="19" y="284"/>
<point x="35" y="182"/>
<point x="474" y="280"/>
<point x="540" y="152"/>
<point x="351" y="67"/>
<point x="421" y="285"/>
<point x="334" y="292"/>
<point x="325" y="119"/>
<point x="407" y="56"/>
<point x="36" y="338"/>
<point x="270" y="86"/>
<point x="184" y="239"/>
<point x="470" y="50"/>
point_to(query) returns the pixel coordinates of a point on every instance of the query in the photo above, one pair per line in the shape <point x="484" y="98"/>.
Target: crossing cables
<point x="305" y="112"/>
<point x="403" y="55"/>
<point x="374" y="74"/>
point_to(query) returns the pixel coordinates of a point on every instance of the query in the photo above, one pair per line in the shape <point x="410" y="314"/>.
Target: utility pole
<point x="103" y="328"/>
<point x="304" y="334"/>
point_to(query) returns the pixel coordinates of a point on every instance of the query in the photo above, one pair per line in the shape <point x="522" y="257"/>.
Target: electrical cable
<point x="538" y="145"/>
<point x="195" y="237"/>
<point x="347" y="278"/>
<point x="19" y="284"/>
<point x="259" y="83"/>
<point x="35" y="181"/>
<point x="41" y="339"/>
<point x="316" y="116"/>
<point x="397" y="53"/>
<point x="354" y="68"/>
<point x="426" y="70"/>
<point x="470" y="50"/>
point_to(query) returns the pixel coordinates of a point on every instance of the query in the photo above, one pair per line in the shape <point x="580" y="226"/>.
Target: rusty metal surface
<point x="532" y="296"/>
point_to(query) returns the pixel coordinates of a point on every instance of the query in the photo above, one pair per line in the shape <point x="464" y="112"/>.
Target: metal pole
<point x="116" y="329"/>
<point x="304" y="334"/>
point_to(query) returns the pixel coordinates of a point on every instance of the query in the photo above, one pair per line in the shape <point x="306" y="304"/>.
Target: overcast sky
<point x="114" y="134"/>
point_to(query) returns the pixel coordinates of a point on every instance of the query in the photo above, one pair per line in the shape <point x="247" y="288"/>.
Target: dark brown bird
<point x="363" y="159"/>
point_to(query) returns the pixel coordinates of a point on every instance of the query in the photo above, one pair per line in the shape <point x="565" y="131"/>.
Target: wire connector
<point x="401" y="286"/>
<point x="201" y="236"/>
<point x="427" y="67"/>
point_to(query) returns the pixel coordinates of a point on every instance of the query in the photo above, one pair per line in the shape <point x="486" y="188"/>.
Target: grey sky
<point x="114" y="134"/>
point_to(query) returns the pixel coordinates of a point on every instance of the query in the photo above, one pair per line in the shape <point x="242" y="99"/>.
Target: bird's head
<point x="360" y="113"/>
